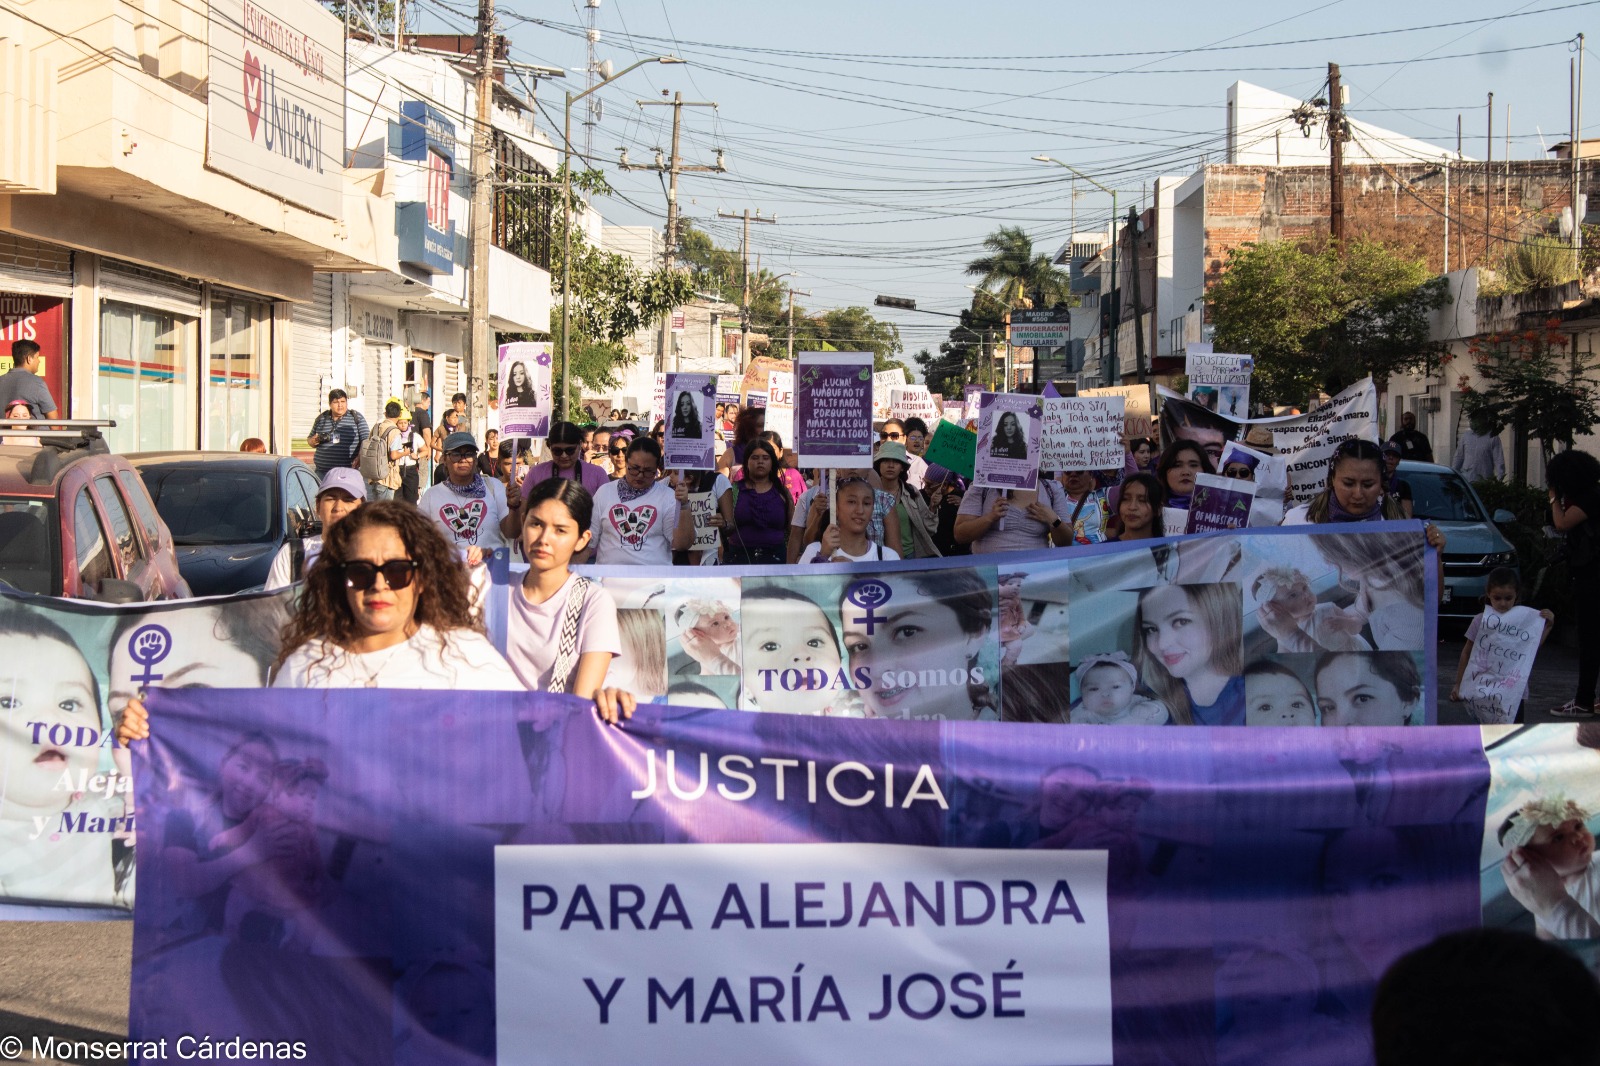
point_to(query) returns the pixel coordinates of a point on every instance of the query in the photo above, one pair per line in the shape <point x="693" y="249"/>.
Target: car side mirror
<point x="116" y="590"/>
<point x="1503" y="517"/>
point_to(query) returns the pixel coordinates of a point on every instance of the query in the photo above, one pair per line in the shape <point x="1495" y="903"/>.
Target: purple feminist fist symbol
<point x="147" y="646"/>
<point x="869" y="595"/>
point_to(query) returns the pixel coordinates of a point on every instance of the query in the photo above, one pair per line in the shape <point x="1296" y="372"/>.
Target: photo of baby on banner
<point x="1539" y="870"/>
<point x="66" y="818"/>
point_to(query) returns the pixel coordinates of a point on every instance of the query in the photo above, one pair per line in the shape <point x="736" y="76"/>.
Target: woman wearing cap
<point x="343" y="490"/>
<point x="916" y="523"/>
<point x="566" y="462"/>
<point x="469" y="509"/>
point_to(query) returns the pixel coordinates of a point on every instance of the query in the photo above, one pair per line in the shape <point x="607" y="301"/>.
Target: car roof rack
<point x="62" y="441"/>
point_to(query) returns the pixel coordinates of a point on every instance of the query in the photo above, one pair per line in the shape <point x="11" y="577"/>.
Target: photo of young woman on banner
<point x="690" y="441"/>
<point x="1009" y="425"/>
<point x="524" y="389"/>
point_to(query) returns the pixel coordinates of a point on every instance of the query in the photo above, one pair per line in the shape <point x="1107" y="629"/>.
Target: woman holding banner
<point x="1002" y="520"/>
<point x="1180" y="464"/>
<point x="565" y="462"/>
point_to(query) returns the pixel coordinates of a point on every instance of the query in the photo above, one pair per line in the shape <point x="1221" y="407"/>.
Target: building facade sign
<point x="427" y="230"/>
<point x="373" y="323"/>
<point x="275" y="106"/>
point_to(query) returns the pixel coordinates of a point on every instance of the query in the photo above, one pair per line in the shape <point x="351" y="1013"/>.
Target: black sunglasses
<point x="361" y="576"/>
<point x="563" y="451"/>
<point x="619" y="451"/>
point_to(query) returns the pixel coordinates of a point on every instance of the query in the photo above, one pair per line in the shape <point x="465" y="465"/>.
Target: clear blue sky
<point x="890" y="137"/>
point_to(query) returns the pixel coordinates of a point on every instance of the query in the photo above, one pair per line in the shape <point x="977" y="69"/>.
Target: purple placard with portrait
<point x="1008" y="441"/>
<point x="690" y="443"/>
<point x="525" y="400"/>
<point x="833" y="409"/>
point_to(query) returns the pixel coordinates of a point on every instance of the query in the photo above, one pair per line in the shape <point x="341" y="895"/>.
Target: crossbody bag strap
<point x="567" y="641"/>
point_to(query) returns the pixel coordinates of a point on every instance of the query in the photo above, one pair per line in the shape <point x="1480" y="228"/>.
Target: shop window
<point x="235" y="395"/>
<point x="145" y="371"/>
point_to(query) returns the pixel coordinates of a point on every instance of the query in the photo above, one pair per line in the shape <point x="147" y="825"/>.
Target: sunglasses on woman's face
<point x="361" y="576"/>
<point x="619" y="451"/>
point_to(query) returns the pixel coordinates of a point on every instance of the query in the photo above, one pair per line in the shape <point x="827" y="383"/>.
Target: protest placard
<point x="1219" y="503"/>
<point x="703" y="506"/>
<point x="753" y="385"/>
<point x="955" y="411"/>
<point x="780" y="404"/>
<point x="882" y="382"/>
<point x="971" y="396"/>
<point x="953" y="447"/>
<point x="1501" y="663"/>
<point x="1219" y="382"/>
<point x="690" y="443"/>
<point x="833" y="398"/>
<point x="1081" y="433"/>
<point x="1008" y="441"/>
<point x="728" y="388"/>
<point x="658" y="400"/>
<point x="1307" y="442"/>
<point x="913" y="401"/>
<point x="524" y="389"/>
<point x="1138" y="409"/>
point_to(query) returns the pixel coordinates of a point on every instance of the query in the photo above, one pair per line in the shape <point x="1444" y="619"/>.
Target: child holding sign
<point x="1502" y="589"/>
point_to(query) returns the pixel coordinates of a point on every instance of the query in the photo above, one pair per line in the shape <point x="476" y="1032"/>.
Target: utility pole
<point x="1488" y="181"/>
<point x="1336" y="135"/>
<point x="1138" y="326"/>
<point x="480" y="340"/>
<point x="1577" y="155"/>
<point x="744" y="304"/>
<point x="792" y="294"/>
<point x="668" y="363"/>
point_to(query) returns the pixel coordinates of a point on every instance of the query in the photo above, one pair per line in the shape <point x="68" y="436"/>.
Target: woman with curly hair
<point x="386" y="605"/>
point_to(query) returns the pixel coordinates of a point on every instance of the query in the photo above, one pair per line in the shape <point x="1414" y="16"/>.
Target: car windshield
<point x="28" y="556"/>
<point x="1441" y="497"/>
<point x="213" y="506"/>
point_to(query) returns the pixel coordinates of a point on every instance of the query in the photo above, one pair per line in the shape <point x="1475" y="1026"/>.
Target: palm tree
<point x="1014" y="275"/>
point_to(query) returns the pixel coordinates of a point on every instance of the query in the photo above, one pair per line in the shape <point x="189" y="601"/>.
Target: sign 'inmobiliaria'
<point x="275" y="108"/>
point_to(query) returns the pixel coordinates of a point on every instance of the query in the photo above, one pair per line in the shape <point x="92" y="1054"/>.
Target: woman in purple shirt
<point x="761" y="510"/>
<point x="566" y="446"/>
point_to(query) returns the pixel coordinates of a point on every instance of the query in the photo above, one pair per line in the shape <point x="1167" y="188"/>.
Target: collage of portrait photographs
<point x="1297" y="629"/>
<point x="1538" y="872"/>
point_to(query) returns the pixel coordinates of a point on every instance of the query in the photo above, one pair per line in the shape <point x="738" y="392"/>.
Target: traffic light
<point x="902" y="302"/>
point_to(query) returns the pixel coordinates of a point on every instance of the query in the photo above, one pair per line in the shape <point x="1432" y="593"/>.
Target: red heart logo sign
<point x="252" y="92"/>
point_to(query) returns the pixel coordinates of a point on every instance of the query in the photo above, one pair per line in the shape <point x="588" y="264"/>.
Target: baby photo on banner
<point x="834" y="397"/>
<point x="690" y="443"/>
<point x="1009" y="426"/>
<point x="66" y="813"/>
<point x="524" y="387"/>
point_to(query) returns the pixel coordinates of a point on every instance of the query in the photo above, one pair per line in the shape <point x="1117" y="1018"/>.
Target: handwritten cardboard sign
<point x="1082" y="433"/>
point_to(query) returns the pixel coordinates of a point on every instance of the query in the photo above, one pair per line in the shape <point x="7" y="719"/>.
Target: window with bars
<point x="524" y="204"/>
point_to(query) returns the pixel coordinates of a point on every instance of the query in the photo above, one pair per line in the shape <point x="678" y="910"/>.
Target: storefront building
<point x="157" y="244"/>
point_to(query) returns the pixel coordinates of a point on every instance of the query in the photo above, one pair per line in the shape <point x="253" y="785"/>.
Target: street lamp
<point x="566" y="216"/>
<point x="1111" y="363"/>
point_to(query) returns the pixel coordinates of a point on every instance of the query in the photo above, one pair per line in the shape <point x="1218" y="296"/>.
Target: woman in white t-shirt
<point x="469" y="509"/>
<point x="386" y="605"/>
<point x="845" y="540"/>
<point x="562" y="633"/>
<point x="643" y="520"/>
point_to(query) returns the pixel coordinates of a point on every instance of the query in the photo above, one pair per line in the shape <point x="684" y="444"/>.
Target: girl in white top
<point x="562" y="633"/>
<point x="845" y="541"/>
<point x="643" y="520"/>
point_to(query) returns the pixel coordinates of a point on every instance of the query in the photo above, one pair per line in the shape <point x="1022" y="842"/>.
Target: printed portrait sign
<point x="1009" y="426"/>
<point x="833" y="409"/>
<point x="690" y="443"/>
<point x="1220" y="383"/>
<point x="1219" y="503"/>
<point x="525" y="398"/>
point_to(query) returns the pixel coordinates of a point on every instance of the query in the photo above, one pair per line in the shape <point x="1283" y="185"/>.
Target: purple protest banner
<point x="833" y="409"/>
<point x="690" y="443"/>
<point x="1009" y="424"/>
<point x="507" y="857"/>
<point x="525" y="401"/>
<point x="1219" y="503"/>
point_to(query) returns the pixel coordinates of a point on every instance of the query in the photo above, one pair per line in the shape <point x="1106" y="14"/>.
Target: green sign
<point x="953" y="447"/>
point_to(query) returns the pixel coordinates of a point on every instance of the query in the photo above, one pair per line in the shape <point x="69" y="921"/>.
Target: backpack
<point x="374" y="456"/>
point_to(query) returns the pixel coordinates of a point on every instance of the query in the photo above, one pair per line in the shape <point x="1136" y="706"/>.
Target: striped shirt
<point x="339" y="440"/>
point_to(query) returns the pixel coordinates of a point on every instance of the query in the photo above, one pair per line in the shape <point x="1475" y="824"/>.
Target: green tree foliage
<point x="1530" y="382"/>
<point x="1013" y="274"/>
<point x="966" y="357"/>
<point x="611" y="297"/>
<point x="1316" y="321"/>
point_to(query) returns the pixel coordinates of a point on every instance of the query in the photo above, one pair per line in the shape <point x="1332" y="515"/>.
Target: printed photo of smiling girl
<point x="793" y="663"/>
<point x="56" y="828"/>
<point x="927" y="647"/>
<point x="1188" y="651"/>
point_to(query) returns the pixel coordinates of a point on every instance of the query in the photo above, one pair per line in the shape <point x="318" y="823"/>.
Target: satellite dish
<point x="605" y="68"/>
<point x="1566" y="223"/>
